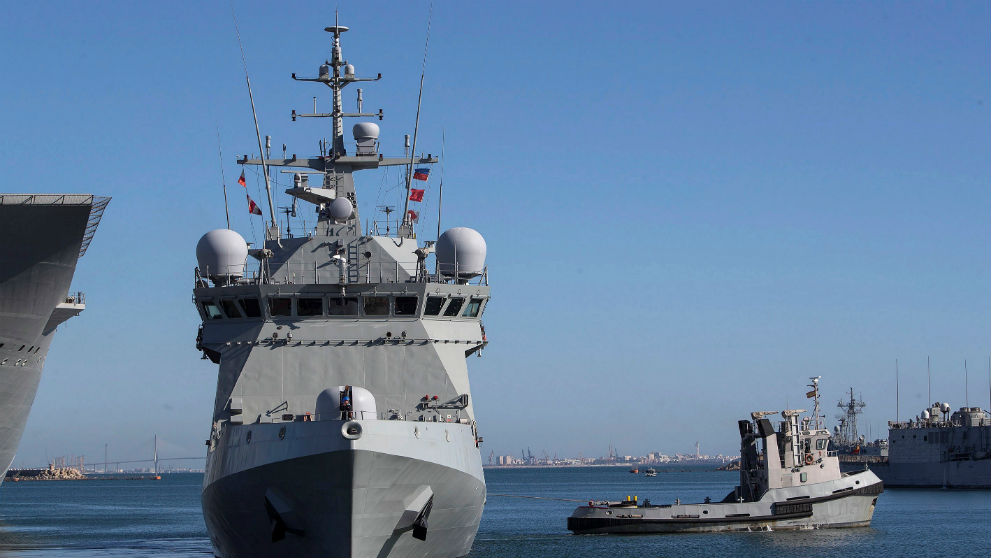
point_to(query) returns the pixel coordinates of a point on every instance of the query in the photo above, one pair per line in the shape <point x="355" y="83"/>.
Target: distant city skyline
<point x="690" y="209"/>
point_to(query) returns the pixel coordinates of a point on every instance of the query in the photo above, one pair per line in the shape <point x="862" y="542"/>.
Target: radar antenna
<point x="330" y="75"/>
<point x="387" y="209"/>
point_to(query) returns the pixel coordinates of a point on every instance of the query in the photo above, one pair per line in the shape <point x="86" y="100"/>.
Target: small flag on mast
<point x="810" y="394"/>
<point x="253" y="207"/>
<point x="413" y="215"/>
<point x="241" y="180"/>
<point x="421" y="174"/>
<point x="416" y="195"/>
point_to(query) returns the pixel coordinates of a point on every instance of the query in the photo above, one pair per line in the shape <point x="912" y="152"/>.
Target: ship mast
<point x="815" y="395"/>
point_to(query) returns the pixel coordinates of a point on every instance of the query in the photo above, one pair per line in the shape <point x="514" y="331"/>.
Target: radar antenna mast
<point x="330" y="75"/>
<point x="815" y="395"/>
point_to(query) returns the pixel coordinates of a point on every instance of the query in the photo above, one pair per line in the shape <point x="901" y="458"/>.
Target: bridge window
<point x="433" y="305"/>
<point x="821" y="444"/>
<point x="342" y="306"/>
<point x="309" y="306"/>
<point x="211" y="311"/>
<point x="454" y="306"/>
<point x="376" y="306"/>
<point x="230" y="308"/>
<point x="280" y="307"/>
<point x="250" y="307"/>
<point x="405" y="306"/>
<point x="472" y="310"/>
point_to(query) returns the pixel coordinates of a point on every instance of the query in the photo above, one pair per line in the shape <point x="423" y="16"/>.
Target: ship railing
<point x="79" y="297"/>
<point x="391" y="414"/>
<point x="371" y="272"/>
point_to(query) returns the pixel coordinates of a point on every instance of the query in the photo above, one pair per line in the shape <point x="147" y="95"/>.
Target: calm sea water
<point x="162" y="518"/>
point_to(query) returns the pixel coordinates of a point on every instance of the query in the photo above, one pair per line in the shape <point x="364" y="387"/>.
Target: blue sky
<point x="690" y="208"/>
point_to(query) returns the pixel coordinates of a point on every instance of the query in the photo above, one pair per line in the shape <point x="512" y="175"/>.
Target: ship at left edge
<point x="44" y="235"/>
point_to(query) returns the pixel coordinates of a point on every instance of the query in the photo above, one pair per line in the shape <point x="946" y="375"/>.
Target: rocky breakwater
<point x="49" y="474"/>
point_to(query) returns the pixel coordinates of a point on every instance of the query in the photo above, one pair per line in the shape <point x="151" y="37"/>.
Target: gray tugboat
<point x="44" y="235"/>
<point x="343" y="423"/>
<point x="789" y="480"/>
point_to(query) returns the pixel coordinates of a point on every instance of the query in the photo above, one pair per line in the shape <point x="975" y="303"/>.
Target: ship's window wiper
<point x="433" y="305"/>
<point x="405" y="306"/>
<point x="230" y="309"/>
<point x="280" y="307"/>
<point x="250" y="307"/>
<point x="472" y="310"/>
<point x="376" y="305"/>
<point x="309" y="306"/>
<point x="454" y="307"/>
<point x="342" y="306"/>
<point x="211" y="310"/>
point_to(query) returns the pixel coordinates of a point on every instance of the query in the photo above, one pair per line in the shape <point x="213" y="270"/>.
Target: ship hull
<point x="970" y="473"/>
<point x="314" y="492"/>
<point x="42" y="239"/>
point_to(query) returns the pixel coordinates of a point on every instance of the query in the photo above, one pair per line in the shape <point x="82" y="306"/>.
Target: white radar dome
<point x="365" y="131"/>
<point x="340" y="209"/>
<point x="221" y="253"/>
<point x="925" y="415"/>
<point x="946" y="407"/>
<point x="462" y="249"/>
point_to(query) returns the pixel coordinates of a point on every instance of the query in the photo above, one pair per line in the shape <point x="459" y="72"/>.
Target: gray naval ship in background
<point x="343" y="423"/>
<point x="44" y="235"/>
<point x="939" y="449"/>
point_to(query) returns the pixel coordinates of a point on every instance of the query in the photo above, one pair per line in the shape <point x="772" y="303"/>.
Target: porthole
<point x="248" y="437"/>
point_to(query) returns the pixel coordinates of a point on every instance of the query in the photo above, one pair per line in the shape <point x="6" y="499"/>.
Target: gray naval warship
<point x="44" y="235"/>
<point x="788" y="480"/>
<point x="343" y="423"/>
<point x="939" y="449"/>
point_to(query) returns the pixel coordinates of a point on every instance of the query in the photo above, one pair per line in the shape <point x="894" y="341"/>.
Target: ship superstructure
<point x="44" y="235"/>
<point x="343" y="423"/>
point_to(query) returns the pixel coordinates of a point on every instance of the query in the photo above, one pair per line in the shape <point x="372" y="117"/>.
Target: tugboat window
<point x="342" y="306"/>
<point x="472" y="310"/>
<point x="250" y="307"/>
<point x="433" y="305"/>
<point x="309" y="306"/>
<point x="377" y="306"/>
<point x="280" y="307"/>
<point x="230" y="308"/>
<point x="454" y="306"/>
<point x="406" y="305"/>
<point x="211" y="310"/>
